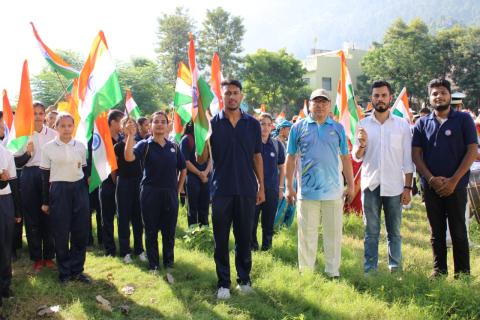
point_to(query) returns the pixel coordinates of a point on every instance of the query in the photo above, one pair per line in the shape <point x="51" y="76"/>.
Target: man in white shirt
<point x="384" y="145"/>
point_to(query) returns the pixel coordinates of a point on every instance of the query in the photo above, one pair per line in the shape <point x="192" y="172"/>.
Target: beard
<point x="441" y="107"/>
<point x="381" y="108"/>
<point x="233" y="108"/>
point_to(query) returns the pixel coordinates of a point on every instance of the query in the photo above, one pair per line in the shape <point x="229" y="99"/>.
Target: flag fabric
<point x="401" y="107"/>
<point x="280" y="117"/>
<point x="22" y="127"/>
<point x="304" y="111"/>
<point x="262" y="109"/>
<point x="346" y="107"/>
<point x="98" y="88"/>
<point x="7" y="111"/>
<point x="103" y="154"/>
<point x="132" y="108"/>
<point x="177" y="126"/>
<point x="202" y="97"/>
<point x="183" y="93"/>
<point x="54" y="60"/>
<point x="216" y="82"/>
<point x="369" y="107"/>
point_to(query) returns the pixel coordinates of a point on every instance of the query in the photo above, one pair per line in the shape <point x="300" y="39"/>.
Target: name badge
<point x="448" y="132"/>
<point x="79" y="165"/>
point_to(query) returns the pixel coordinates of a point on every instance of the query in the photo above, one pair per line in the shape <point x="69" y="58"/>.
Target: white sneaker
<point x="127" y="259"/>
<point x="143" y="257"/>
<point x="245" y="288"/>
<point x="223" y="293"/>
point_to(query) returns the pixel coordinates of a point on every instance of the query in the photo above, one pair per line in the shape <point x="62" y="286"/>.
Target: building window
<point x="327" y="84"/>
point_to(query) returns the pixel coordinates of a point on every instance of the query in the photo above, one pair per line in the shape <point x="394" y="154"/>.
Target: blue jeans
<point x="372" y="206"/>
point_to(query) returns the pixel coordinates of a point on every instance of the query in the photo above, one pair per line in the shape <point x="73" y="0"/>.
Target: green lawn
<point x="281" y="292"/>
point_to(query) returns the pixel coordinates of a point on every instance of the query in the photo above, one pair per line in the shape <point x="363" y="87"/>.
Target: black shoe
<point x="65" y="279"/>
<point x="266" y="248"/>
<point x="7" y="293"/>
<point x="254" y="246"/>
<point x="82" y="278"/>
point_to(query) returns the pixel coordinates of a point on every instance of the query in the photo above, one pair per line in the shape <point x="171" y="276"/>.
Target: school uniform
<point x="109" y="210"/>
<point x="273" y="155"/>
<point x="67" y="196"/>
<point x="159" y="197"/>
<point x="127" y="195"/>
<point x="37" y="224"/>
<point x="198" y="193"/>
<point x="8" y="212"/>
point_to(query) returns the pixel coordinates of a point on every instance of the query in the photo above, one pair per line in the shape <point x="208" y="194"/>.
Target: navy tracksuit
<point x="37" y="224"/>
<point x="127" y="196"/>
<point x="158" y="197"/>
<point x="198" y="193"/>
<point x="69" y="210"/>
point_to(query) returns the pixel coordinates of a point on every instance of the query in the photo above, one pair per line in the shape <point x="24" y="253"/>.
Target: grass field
<point x="281" y="292"/>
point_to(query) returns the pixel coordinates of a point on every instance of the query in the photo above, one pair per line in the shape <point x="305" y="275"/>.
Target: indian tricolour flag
<point x="54" y="60"/>
<point x="98" y="91"/>
<point x="215" y="82"/>
<point x="22" y="127"/>
<point x="132" y="108"/>
<point x="203" y="96"/>
<point x="349" y="114"/>
<point x="183" y="93"/>
<point x="103" y="155"/>
<point x="401" y="107"/>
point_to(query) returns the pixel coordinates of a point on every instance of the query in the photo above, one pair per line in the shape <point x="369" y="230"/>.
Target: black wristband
<point x="407" y="187"/>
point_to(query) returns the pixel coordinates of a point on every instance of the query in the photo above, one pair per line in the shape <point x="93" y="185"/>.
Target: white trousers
<point x="310" y="213"/>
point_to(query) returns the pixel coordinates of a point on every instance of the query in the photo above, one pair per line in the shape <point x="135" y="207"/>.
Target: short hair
<point x="124" y="120"/>
<point x="439" y="82"/>
<point x="63" y="115"/>
<point x="1" y="114"/>
<point x="232" y="82"/>
<point x="264" y="115"/>
<point x="40" y="104"/>
<point x="424" y="110"/>
<point x="114" y="115"/>
<point x="160" y="113"/>
<point x="142" y="120"/>
<point x="381" y="83"/>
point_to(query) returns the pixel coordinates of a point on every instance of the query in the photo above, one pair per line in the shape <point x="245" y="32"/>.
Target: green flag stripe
<point x="17" y="144"/>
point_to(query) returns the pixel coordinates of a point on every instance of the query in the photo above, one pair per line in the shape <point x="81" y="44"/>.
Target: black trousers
<point x="198" y="195"/>
<point x="159" y="212"/>
<point x="109" y="210"/>
<point x="7" y="221"/>
<point x="439" y="210"/>
<point x="69" y="209"/>
<point x="268" y="210"/>
<point x="37" y="224"/>
<point x="94" y="201"/>
<point x="127" y="195"/>
<point x="239" y="211"/>
<point x="18" y="228"/>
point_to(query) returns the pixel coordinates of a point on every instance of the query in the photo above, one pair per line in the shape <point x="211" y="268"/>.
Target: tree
<point x="460" y="49"/>
<point x="274" y="78"/>
<point x="143" y="78"/>
<point x="172" y="43"/>
<point x="49" y="86"/>
<point x="222" y="33"/>
<point x="408" y="57"/>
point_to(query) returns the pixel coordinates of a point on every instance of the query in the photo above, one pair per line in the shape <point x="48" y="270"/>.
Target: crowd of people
<point x="253" y="170"/>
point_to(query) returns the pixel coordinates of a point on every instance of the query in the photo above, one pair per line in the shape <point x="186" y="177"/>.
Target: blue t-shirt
<point x="444" y="146"/>
<point x="271" y="160"/>
<point x="319" y="147"/>
<point x="160" y="164"/>
<point x="233" y="150"/>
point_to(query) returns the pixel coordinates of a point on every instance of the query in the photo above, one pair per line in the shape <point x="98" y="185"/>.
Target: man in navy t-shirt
<point x="237" y="186"/>
<point x="444" y="147"/>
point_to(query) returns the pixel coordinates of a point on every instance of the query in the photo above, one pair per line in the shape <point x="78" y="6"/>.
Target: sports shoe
<point x="143" y="257"/>
<point x="245" y="288"/>
<point x="223" y="293"/>
<point x="49" y="264"/>
<point x="37" y="266"/>
<point x="127" y="259"/>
